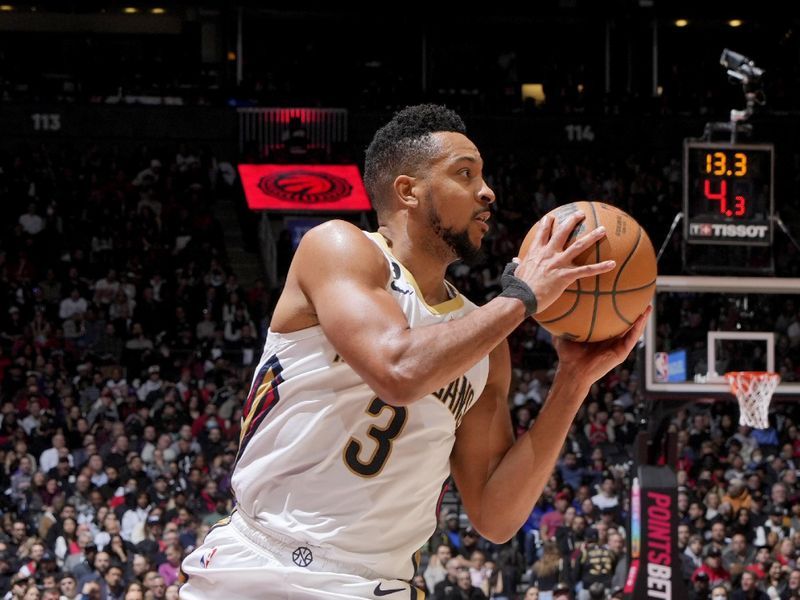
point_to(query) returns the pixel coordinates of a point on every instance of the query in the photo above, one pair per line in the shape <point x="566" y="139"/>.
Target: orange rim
<point x="733" y="377"/>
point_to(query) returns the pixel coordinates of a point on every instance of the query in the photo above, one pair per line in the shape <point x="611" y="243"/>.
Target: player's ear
<point x="406" y="190"/>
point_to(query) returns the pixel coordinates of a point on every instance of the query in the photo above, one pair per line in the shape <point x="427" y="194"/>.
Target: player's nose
<point x="486" y="194"/>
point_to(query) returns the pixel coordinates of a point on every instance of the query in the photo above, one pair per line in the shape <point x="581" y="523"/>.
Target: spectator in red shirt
<point x="712" y="566"/>
<point x="554" y="518"/>
<point x="761" y="565"/>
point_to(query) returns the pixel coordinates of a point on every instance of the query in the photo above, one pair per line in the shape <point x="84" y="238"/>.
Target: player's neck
<point x="428" y="270"/>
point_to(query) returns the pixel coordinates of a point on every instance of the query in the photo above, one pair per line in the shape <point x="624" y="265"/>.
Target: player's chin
<point x="475" y="244"/>
<point x="477" y="233"/>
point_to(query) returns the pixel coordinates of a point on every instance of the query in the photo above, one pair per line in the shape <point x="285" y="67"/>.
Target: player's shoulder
<point x="338" y="239"/>
<point x="332" y="231"/>
<point x="341" y="246"/>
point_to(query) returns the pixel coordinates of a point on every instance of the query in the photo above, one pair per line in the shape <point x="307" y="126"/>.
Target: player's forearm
<point x="424" y="359"/>
<point x="519" y="479"/>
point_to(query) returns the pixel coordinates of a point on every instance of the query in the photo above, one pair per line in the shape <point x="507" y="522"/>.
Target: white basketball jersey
<point x="324" y="461"/>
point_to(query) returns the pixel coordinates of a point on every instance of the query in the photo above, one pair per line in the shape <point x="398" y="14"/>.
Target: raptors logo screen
<point x="304" y="188"/>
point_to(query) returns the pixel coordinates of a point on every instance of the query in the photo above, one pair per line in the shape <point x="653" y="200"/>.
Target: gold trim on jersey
<point x="222" y="522"/>
<point x="415" y="559"/>
<point x="416" y="594"/>
<point x="261" y="392"/>
<point x="448" y="306"/>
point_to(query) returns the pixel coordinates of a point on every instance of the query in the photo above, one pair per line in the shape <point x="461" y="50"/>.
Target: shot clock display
<point x="727" y="193"/>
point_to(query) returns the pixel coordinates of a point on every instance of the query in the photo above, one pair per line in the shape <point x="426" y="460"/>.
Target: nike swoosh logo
<point x="379" y="592"/>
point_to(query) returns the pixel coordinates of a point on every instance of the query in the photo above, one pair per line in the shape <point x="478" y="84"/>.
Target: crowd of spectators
<point x="126" y="349"/>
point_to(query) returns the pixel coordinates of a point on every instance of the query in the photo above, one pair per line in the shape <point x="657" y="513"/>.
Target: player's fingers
<point x="636" y="330"/>
<point x="584" y="242"/>
<point x="543" y="232"/>
<point x="591" y="270"/>
<point x="641" y="322"/>
<point x="563" y="230"/>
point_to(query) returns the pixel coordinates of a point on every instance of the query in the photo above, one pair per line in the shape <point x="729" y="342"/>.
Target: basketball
<point x="598" y="308"/>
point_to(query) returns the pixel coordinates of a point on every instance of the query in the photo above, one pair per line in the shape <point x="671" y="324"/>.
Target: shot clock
<point x="727" y="193"/>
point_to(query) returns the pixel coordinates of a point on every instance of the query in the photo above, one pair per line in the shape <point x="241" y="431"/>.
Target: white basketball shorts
<point x="235" y="562"/>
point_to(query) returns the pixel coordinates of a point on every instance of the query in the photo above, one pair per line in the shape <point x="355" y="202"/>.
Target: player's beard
<point x="458" y="241"/>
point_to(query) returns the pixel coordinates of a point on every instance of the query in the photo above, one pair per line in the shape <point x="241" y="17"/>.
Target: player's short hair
<point x="403" y="145"/>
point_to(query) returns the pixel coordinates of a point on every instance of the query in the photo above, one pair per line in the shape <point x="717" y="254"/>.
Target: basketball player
<point x="378" y="379"/>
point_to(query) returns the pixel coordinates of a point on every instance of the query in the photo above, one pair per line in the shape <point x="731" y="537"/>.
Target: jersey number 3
<point x="382" y="438"/>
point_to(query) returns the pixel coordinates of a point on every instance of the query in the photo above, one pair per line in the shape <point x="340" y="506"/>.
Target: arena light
<point x="681" y="23"/>
<point x="6" y="7"/>
<point x="157" y="11"/>
<point x="130" y="10"/>
<point x="534" y="91"/>
<point x="735" y="23"/>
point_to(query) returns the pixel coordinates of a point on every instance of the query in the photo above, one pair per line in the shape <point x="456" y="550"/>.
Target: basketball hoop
<point x="753" y="390"/>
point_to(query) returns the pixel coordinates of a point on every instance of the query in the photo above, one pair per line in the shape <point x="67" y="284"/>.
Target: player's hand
<point x="589" y="361"/>
<point x="547" y="267"/>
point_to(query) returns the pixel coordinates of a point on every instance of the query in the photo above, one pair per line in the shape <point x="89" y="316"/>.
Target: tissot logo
<point x="305" y="187"/>
<point x="721" y="230"/>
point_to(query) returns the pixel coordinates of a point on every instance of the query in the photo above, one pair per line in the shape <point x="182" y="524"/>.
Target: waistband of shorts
<point x="282" y="547"/>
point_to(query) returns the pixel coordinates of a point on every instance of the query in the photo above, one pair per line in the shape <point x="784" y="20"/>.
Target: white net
<point x="753" y="390"/>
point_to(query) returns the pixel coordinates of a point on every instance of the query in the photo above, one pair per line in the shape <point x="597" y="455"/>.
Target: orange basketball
<point x="597" y="308"/>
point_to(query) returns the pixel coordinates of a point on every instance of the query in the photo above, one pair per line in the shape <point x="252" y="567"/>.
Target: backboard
<point x="703" y="327"/>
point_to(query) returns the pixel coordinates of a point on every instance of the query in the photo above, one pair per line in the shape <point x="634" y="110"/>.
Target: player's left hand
<point x="589" y="361"/>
